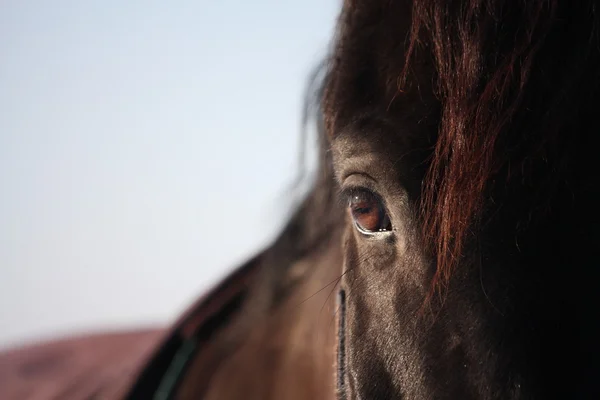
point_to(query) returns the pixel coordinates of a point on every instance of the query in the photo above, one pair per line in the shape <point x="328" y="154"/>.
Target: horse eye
<point x="368" y="212"/>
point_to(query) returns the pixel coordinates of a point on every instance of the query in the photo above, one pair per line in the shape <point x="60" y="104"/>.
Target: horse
<point x="447" y="248"/>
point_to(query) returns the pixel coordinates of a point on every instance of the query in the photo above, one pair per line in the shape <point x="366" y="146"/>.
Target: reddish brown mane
<point x="489" y="57"/>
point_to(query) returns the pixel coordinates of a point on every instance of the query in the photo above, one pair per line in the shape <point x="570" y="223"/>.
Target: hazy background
<point x="145" y="150"/>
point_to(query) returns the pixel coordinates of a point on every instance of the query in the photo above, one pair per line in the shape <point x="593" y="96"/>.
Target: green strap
<point x="171" y="377"/>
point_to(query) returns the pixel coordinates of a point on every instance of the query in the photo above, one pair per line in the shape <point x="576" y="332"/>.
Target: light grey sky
<point x="145" y="147"/>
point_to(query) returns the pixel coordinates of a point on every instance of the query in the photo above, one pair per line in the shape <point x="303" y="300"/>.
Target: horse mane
<point x="508" y="76"/>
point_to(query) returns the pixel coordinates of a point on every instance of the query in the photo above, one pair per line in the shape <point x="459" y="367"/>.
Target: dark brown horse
<point x="447" y="250"/>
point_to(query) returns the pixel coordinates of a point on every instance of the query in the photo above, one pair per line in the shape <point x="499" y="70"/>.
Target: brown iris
<point x="368" y="212"/>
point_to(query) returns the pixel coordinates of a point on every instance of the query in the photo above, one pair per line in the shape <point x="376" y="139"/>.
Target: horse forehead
<point x="369" y="143"/>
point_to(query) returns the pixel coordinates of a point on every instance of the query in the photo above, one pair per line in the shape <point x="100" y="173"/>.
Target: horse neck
<point x="279" y="346"/>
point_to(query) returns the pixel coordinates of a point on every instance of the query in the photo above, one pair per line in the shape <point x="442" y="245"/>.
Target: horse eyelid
<point x="347" y="193"/>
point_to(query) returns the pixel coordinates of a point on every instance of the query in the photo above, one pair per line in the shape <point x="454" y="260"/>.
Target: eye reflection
<point x="368" y="212"/>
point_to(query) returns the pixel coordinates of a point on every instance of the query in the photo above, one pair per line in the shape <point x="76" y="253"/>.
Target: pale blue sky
<point x="144" y="150"/>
